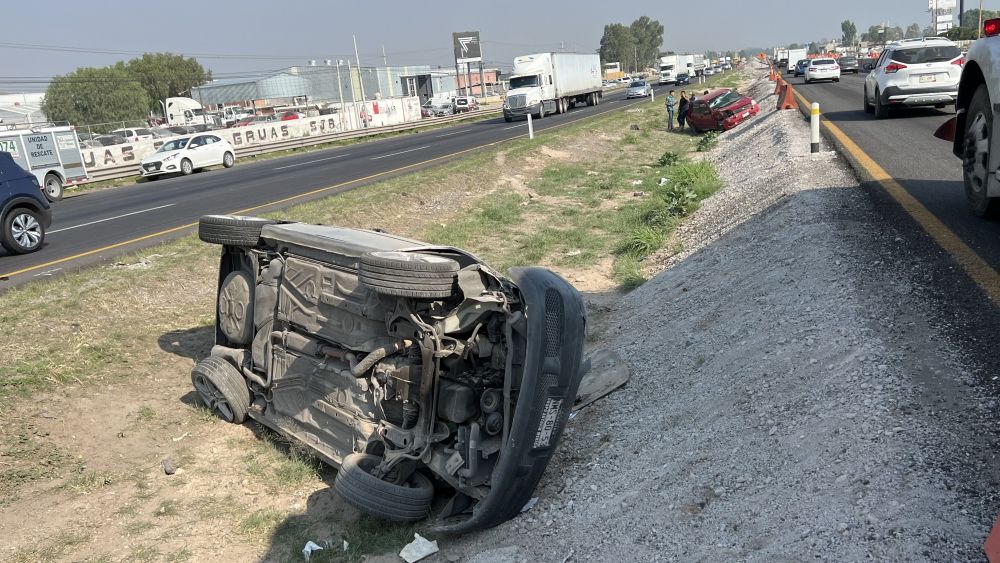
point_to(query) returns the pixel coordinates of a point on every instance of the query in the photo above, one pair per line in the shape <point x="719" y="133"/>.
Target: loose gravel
<point x="796" y="393"/>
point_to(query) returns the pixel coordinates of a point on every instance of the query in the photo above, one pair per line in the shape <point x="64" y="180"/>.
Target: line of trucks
<point x="692" y="65"/>
<point x="787" y="58"/>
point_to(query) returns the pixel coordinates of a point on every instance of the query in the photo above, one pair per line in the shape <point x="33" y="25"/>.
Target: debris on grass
<point x="418" y="549"/>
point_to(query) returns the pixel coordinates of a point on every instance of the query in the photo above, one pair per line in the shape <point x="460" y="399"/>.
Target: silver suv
<point x="914" y="72"/>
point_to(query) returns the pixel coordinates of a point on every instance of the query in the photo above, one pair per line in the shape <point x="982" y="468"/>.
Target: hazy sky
<point x="250" y="35"/>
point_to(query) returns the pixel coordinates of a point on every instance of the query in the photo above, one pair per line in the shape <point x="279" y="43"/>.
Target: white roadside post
<point x="652" y="94"/>
<point x="814" y="126"/>
<point x="531" y="128"/>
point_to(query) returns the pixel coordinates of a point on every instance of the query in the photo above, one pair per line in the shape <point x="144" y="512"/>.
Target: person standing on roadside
<point x="671" y="106"/>
<point x="682" y="109"/>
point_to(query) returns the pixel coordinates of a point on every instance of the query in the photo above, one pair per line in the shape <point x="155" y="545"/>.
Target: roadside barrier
<point x="777" y="87"/>
<point x="787" y="100"/>
<point x="132" y="169"/>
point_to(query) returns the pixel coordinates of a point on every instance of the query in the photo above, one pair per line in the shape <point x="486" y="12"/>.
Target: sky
<point x="241" y="37"/>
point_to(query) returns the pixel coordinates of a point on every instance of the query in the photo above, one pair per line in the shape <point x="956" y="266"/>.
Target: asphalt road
<point x="100" y="225"/>
<point x="905" y="146"/>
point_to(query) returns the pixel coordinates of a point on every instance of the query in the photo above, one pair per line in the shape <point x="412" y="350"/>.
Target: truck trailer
<point x="546" y="83"/>
<point x="794" y="56"/>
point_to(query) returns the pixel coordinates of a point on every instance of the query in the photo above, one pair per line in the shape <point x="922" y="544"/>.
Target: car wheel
<point x="53" y="187"/>
<point x="406" y="502"/>
<point x="22" y="231"/>
<point x="836" y="80"/>
<point x="408" y="274"/>
<point x="867" y="105"/>
<point x="236" y="307"/>
<point x="231" y="230"/>
<point x="228" y="160"/>
<point x="186" y="167"/>
<point x="976" y="154"/>
<point x="508" y="119"/>
<point x="881" y="111"/>
<point x="222" y="389"/>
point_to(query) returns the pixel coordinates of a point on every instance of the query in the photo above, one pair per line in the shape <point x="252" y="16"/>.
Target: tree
<point x="165" y="75"/>
<point x="617" y="44"/>
<point x="795" y="46"/>
<point x="912" y="31"/>
<point x="929" y="31"/>
<point x="850" y="32"/>
<point x="95" y="95"/>
<point x="648" y="36"/>
<point x="961" y="33"/>
<point x="970" y="18"/>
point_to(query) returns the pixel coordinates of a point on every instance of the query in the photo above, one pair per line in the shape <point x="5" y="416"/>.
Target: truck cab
<point x="668" y="70"/>
<point x="531" y="84"/>
<point x="186" y="112"/>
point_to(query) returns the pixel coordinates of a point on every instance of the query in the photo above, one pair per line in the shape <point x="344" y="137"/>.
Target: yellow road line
<point x="291" y="198"/>
<point x="978" y="269"/>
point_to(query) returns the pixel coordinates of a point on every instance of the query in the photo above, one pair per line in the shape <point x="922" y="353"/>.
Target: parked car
<point x="848" y="64"/>
<point x="822" y="69"/>
<point x="25" y="214"/>
<point x="638" y="89"/>
<point x="187" y="154"/>
<point x="415" y="368"/>
<point x="464" y="104"/>
<point x="721" y="110"/>
<point x="183" y="130"/>
<point x="800" y="67"/>
<point x="683" y="79"/>
<point x="133" y="135"/>
<point x="255" y="120"/>
<point x="972" y="131"/>
<point x="437" y="108"/>
<point x="162" y="132"/>
<point x="709" y="71"/>
<point x="110" y="140"/>
<point x="290" y="115"/>
<point x="914" y="72"/>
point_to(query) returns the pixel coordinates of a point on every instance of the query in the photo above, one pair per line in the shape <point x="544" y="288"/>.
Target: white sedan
<point x="187" y="154"/>
<point x="822" y="69"/>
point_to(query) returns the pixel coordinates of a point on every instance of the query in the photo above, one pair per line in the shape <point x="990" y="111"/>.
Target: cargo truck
<point x="546" y="83"/>
<point x="697" y="67"/>
<point x="794" y="56"/>
<point x="669" y="68"/>
<point x="51" y="154"/>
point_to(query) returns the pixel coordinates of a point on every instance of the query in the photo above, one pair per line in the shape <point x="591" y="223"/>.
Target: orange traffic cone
<point x="787" y="100"/>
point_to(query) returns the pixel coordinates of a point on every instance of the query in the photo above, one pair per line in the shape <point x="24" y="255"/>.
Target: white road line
<point x="110" y="218"/>
<point x="514" y="126"/>
<point x="401" y="152"/>
<point x="311" y="161"/>
<point x="452" y="133"/>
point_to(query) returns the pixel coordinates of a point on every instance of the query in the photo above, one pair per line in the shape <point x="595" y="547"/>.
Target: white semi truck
<point x="546" y="83"/>
<point x="186" y="111"/>
<point x="669" y="69"/>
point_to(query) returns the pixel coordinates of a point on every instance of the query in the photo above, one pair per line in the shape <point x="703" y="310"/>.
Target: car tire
<point x="408" y="274"/>
<point x="235" y="307"/>
<point x="23" y="231"/>
<point x="508" y="119"/>
<point x="541" y="110"/>
<point x="186" y="167"/>
<point x="228" y="160"/>
<point x="53" y="187"/>
<point x="867" y="105"/>
<point x="836" y="80"/>
<point x="881" y="111"/>
<point x="976" y="154"/>
<point x="410" y="502"/>
<point x="222" y="389"/>
<point x="231" y="230"/>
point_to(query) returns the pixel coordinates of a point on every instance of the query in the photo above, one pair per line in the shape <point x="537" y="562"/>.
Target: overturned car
<point x="434" y="383"/>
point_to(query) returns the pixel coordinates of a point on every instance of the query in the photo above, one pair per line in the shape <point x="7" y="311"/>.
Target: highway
<point x="905" y="147"/>
<point x="95" y="226"/>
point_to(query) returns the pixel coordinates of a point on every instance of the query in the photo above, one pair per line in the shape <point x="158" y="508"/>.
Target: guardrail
<point x="127" y="170"/>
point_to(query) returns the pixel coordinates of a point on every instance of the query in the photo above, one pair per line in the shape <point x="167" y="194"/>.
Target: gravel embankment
<point x="795" y="392"/>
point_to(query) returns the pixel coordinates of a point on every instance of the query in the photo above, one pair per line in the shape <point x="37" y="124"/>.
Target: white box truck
<point x="547" y="83"/>
<point x="52" y="154"/>
<point x="794" y="56"/>
<point x="669" y="68"/>
<point x="698" y="65"/>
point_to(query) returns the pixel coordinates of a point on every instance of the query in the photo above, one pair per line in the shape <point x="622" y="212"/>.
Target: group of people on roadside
<point x="678" y="108"/>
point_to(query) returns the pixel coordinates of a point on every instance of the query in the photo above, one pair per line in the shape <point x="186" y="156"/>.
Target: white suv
<point x="914" y="72"/>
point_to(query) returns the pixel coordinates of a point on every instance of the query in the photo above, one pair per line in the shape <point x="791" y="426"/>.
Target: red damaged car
<point x="721" y="110"/>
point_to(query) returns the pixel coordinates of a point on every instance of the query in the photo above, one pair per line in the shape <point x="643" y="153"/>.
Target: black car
<point x="24" y="211"/>
<point x="848" y="64"/>
<point x="683" y="79"/>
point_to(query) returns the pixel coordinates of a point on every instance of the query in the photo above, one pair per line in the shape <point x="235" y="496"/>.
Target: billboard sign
<point x="467" y="47"/>
<point x="940" y="4"/>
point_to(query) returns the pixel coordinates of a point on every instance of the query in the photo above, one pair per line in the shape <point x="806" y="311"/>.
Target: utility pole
<point x="357" y="59"/>
<point x="388" y="75"/>
<point x="635" y="51"/>
<point x="340" y="86"/>
<point x="961" y="11"/>
<point x="979" y="30"/>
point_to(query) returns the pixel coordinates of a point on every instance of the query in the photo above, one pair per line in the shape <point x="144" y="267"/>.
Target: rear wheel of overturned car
<point x="53" y="187"/>
<point x="409" y="274"/>
<point x="406" y="502"/>
<point x="222" y="389"/>
<point x="236" y="307"/>
<point x="231" y="230"/>
<point x="976" y="154"/>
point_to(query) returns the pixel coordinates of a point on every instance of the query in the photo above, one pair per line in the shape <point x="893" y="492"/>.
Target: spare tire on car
<point x="231" y="230"/>
<point x="409" y="274"/>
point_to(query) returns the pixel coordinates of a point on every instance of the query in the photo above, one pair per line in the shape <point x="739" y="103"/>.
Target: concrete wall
<point x="351" y="117"/>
